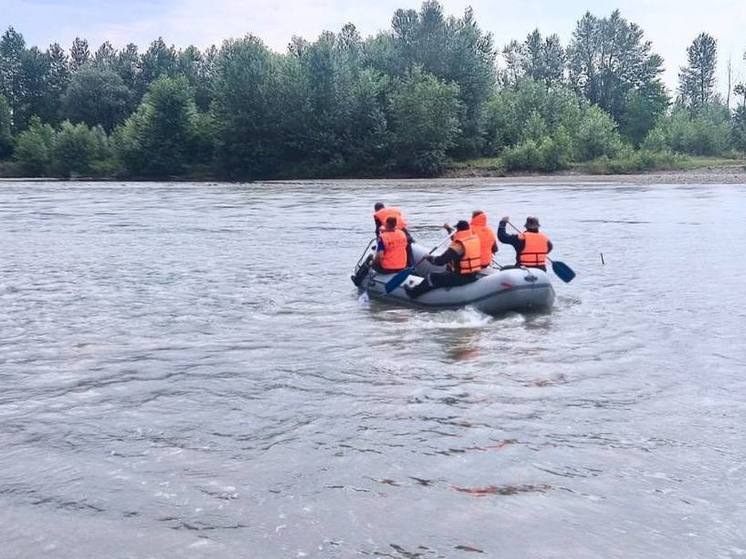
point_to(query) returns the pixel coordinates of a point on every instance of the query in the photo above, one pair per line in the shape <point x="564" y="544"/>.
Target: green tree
<point x="596" y="136"/>
<point x="453" y="50"/>
<point x="12" y="51"/>
<point x="697" y="79"/>
<point x="159" y="60"/>
<point x="33" y="150"/>
<point x="642" y="108"/>
<point x="738" y="128"/>
<point x="705" y="133"/>
<point x="6" y="137"/>
<point x="57" y="80"/>
<point x="608" y="58"/>
<point x="246" y="109"/>
<point x="542" y="59"/>
<point x="127" y="66"/>
<point x="198" y="69"/>
<point x="77" y="148"/>
<point x="105" y="57"/>
<point x="158" y="140"/>
<point x="423" y="118"/>
<point x="80" y="54"/>
<point x="96" y="96"/>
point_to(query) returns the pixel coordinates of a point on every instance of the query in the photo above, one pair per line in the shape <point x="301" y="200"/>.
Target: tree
<point x="740" y="89"/>
<point x="739" y="128"/>
<point x="423" y="116"/>
<point x="76" y="148"/>
<point x="79" y="54"/>
<point x="453" y="50"/>
<point x="12" y="50"/>
<point x="58" y="78"/>
<point x="6" y="138"/>
<point x="246" y="110"/>
<point x="198" y="69"/>
<point x="608" y="58"/>
<point x="33" y="150"/>
<point x="105" y="57"/>
<point x="127" y="66"/>
<point x="537" y="58"/>
<point x="642" y="109"/>
<point x="96" y="96"/>
<point x="706" y="132"/>
<point x="158" y="139"/>
<point x="697" y="79"/>
<point x="159" y="60"/>
<point x="35" y="67"/>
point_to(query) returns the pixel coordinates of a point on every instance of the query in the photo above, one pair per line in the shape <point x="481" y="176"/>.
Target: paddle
<point x="563" y="271"/>
<point x="402" y="276"/>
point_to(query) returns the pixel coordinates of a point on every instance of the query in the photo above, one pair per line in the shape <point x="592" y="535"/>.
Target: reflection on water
<point x="188" y="372"/>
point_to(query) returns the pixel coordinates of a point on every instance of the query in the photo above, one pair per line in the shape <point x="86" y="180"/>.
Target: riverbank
<point x="682" y="170"/>
<point x="688" y="170"/>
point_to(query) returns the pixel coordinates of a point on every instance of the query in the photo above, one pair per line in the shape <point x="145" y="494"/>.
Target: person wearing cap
<point x="531" y="246"/>
<point x="463" y="260"/>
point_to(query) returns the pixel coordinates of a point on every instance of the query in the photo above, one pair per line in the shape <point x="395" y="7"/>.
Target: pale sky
<point x="670" y="24"/>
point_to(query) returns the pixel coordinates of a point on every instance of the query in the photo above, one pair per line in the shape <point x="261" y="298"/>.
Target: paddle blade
<point x="398" y="279"/>
<point x="563" y="271"/>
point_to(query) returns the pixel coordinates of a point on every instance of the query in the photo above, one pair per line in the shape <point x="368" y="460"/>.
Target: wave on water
<point x="465" y="318"/>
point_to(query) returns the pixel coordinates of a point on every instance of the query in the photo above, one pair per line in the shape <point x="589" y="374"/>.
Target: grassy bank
<point x="636" y="162"/>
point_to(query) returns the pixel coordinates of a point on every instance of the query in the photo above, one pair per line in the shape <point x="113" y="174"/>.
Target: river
<point x="187" y="371"/>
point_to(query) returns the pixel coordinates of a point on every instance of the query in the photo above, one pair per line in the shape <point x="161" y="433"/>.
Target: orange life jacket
<point x="471" y="259"/>
<point x="534" y="250"/>
<point x="394" y="255"/>
<point x="487" y="237"/>
<point x="384" y="213"/>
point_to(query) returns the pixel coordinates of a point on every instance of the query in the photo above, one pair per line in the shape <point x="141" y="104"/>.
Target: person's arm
<point x="494" y="247"/>
<point x="448" y="256"/>
<point x="550" y="246"/>
<point x="379" y="251"/>
<point x="378" y="225"/>
<point x="504" y="237"/>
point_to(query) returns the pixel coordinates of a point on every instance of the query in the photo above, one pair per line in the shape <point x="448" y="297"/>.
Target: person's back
<point x="531" y="246"/>
<point x="463" y="261"/>
<point x="487" y="237"/>
<point x="382" y="213"/>
<point x="391" y="253"/>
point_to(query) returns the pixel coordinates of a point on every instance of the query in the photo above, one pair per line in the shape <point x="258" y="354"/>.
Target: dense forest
<point x="407" y="101"/>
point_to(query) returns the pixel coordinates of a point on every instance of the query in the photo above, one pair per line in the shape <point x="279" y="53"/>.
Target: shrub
<point x="596" y="136"/>
<point x="33" y="151"/>
<point x="705" y="132"/>
<point x="78" y="149"/>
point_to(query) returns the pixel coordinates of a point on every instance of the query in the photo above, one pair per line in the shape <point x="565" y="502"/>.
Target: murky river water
<point x="187" y="372"/>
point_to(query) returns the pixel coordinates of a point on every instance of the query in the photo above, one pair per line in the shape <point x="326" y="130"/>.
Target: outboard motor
<point x="360" y="272"/>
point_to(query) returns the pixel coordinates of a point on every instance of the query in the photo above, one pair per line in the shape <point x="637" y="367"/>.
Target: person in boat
<point x="391" y="252"/>
<point x="531" y="246"/>
<point x="463" y="260"/>
<point x="487" y="237"/>
<point x="382" y="213"/>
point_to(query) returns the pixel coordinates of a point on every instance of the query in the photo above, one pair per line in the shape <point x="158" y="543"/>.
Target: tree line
<point x="430" y="89"/>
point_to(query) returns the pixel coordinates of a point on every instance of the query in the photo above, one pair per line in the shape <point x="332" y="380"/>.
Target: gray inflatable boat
<point x="495" y="292"/>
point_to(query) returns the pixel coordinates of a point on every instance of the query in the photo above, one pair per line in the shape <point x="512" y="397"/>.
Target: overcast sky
<point x="669" y="24"/>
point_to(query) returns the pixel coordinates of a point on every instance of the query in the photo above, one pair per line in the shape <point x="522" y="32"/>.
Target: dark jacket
<point x="515" y="241"/>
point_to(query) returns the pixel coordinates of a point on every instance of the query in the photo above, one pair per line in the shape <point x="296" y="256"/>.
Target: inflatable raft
<point x="495" y="292"/>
